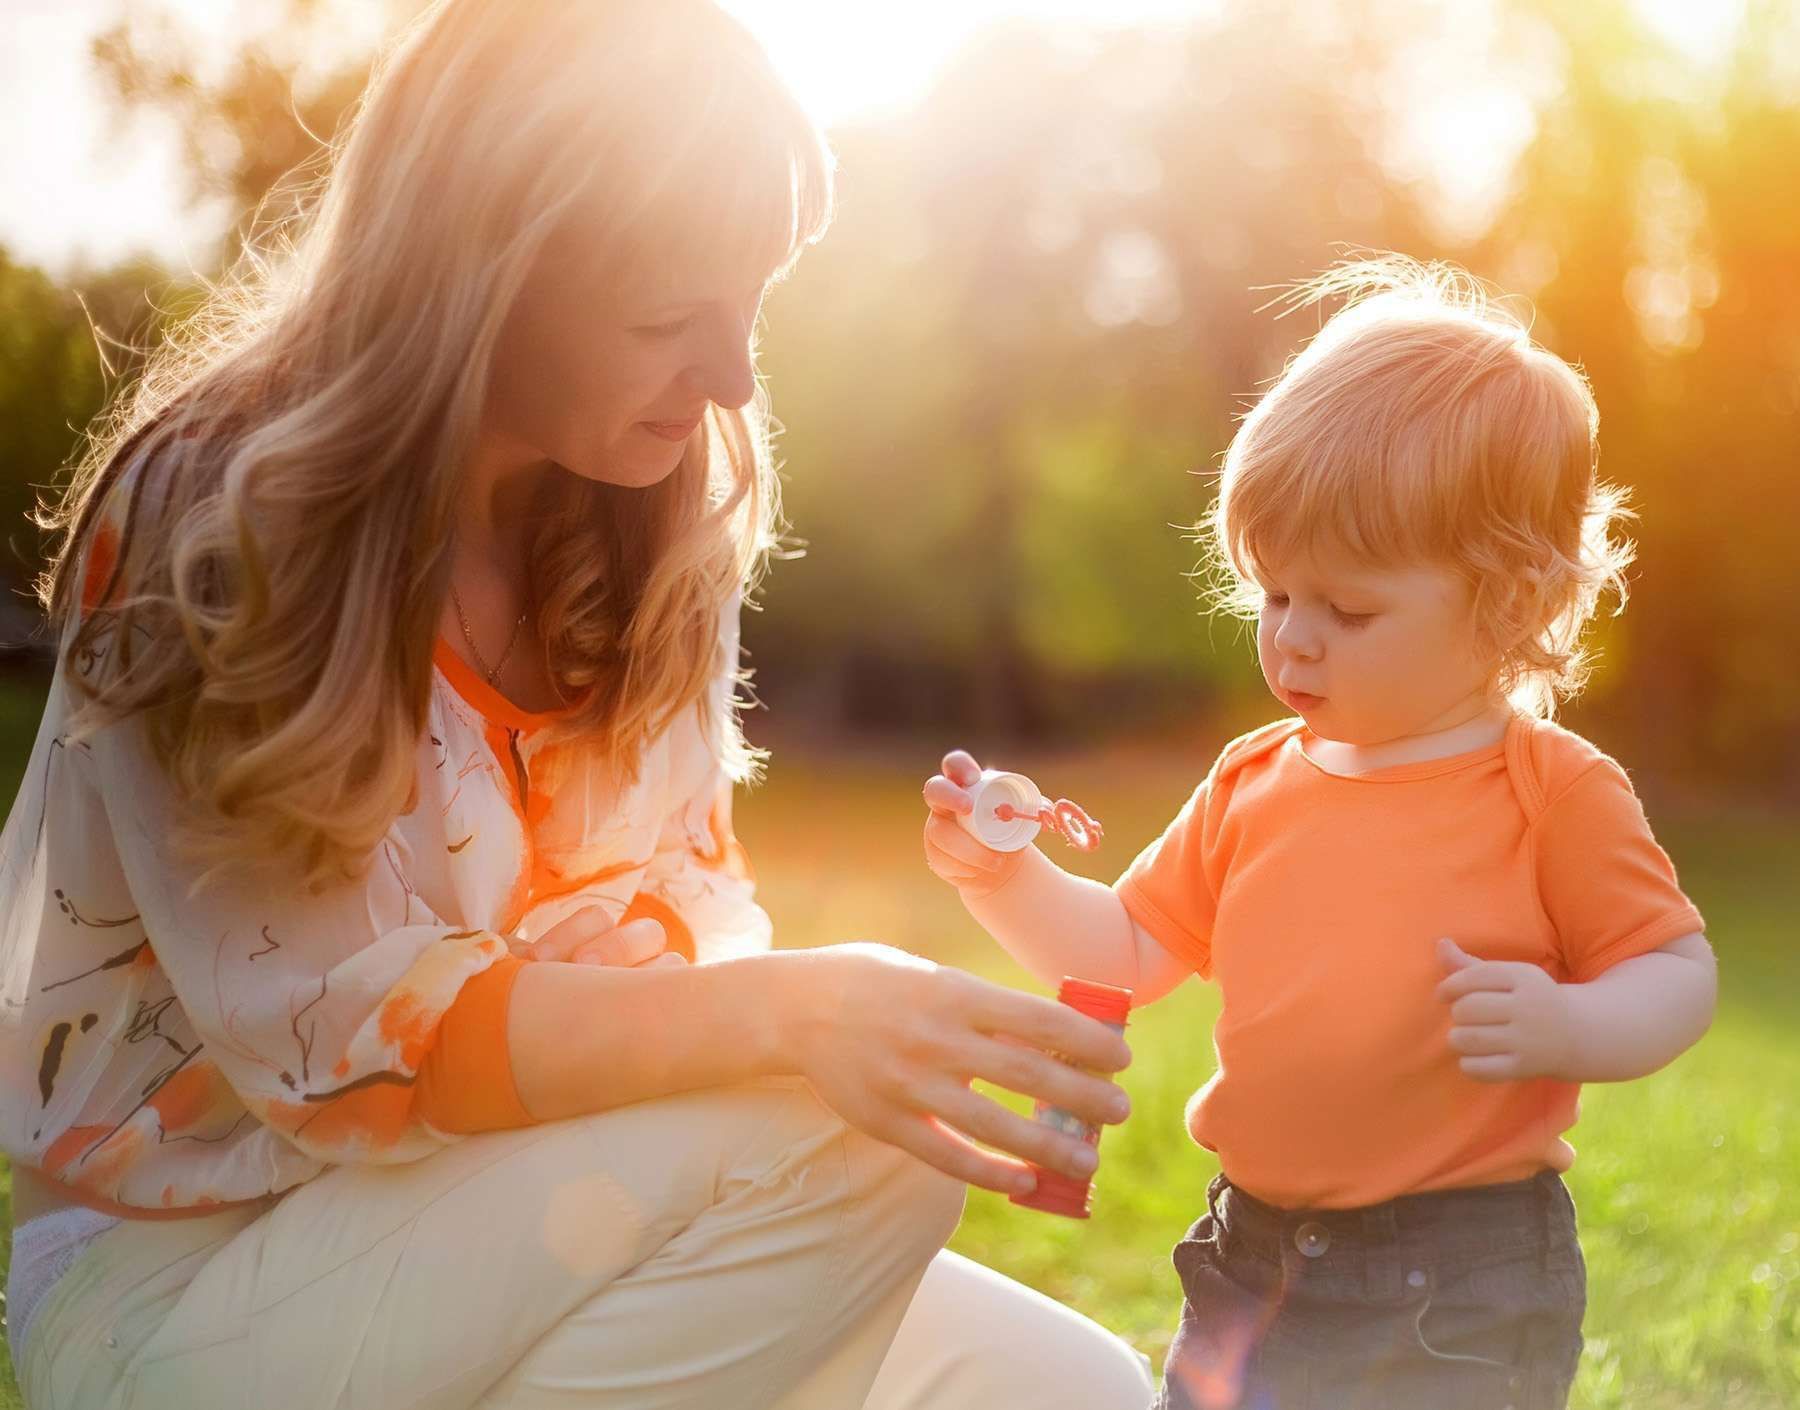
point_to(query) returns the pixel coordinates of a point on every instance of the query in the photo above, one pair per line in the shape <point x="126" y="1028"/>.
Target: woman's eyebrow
<point x="663" y="310"/>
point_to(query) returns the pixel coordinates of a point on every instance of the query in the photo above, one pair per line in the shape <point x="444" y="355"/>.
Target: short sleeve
<point x="1167" y="891"/>
<point x="1609" y="889"/>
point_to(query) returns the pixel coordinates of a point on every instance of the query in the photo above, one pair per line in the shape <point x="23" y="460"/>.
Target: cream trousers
<point x="734" y="1248"/>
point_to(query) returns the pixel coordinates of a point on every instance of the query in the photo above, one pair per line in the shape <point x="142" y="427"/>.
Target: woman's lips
<point x="673" y="430"/>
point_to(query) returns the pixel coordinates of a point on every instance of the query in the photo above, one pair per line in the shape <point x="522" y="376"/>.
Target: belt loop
<point x="1559" y="1224"/>
<point x="1381" y="1251"/>
<point x="1545" y="1181"/>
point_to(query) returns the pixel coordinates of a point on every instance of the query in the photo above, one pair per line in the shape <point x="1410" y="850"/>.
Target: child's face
<point x="1368" y="655"/>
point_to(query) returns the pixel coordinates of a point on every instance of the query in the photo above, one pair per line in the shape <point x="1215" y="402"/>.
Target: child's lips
<point x="1300" y="700"/>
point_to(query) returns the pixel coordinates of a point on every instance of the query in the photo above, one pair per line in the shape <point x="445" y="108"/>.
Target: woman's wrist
<point x="765" y="999"/>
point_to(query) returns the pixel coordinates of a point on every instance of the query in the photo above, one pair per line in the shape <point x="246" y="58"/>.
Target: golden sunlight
<point x="847" y="61"/>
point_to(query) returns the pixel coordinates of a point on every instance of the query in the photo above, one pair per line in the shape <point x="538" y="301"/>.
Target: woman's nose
<point x="727" y="376"/>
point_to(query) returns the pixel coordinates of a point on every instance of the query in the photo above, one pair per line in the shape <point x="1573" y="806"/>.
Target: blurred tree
<point x="1659" y="201"/>
<point x="62" y="347"/>
<point x="262" y="114"/>
<point x="1008" y="369"/>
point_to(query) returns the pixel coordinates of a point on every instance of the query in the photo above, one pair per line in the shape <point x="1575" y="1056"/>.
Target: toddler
<point x="1431" y="912"/>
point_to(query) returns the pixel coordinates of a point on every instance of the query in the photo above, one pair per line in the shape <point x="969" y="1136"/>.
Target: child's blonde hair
<point x="1423" y="426"/>
<point x="270" y="600"/>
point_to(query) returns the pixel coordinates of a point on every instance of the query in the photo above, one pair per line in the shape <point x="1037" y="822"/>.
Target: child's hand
<point x="1509" y="1020"/>
<point x="973" y="869"/>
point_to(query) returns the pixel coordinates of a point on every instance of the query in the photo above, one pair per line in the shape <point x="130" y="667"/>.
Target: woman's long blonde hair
<point x="284" y="478"/>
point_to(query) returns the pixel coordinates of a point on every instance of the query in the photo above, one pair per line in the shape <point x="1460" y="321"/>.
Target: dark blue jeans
<point x="1451" y="1300"/>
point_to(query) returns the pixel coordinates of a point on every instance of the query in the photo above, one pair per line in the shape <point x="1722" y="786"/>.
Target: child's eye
<point x="1352" y="620"/>
<point x="667" y="330"/>
<point x="1274" y="599"/>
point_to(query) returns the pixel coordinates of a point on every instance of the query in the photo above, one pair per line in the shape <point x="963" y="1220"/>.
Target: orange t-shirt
<point x="1316" y="900"/>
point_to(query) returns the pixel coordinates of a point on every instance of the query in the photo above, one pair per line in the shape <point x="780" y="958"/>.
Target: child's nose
<point x="1294" y="639"/>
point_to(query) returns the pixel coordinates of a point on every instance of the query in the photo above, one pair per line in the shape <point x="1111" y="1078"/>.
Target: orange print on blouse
<point x="94" y="1159"/>
<point x="728" y="854"/>
<point x="102" y="558"/>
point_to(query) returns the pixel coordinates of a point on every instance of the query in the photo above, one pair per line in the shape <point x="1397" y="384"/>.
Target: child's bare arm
<point x="1053" y="923"/>
<point x="1513" y="1021"/>
<point x="1056" y="924"/>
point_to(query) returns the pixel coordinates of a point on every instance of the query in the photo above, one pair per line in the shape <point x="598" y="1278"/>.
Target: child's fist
<point x="1507" y="1019"/>
<point x="972" y="868"/>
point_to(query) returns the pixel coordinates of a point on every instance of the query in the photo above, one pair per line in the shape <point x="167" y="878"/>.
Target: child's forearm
<point x="1057" y="925"/>
<point x="1642" y="1013"/>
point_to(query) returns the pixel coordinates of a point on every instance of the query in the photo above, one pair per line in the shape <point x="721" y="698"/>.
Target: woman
<point x="383" y="794"/>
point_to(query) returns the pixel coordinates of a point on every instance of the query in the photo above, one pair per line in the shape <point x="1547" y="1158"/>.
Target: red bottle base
<point x="1057" y="1194"/>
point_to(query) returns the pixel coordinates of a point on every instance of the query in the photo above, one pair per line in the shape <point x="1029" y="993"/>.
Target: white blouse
<point x="162" y="1051"/>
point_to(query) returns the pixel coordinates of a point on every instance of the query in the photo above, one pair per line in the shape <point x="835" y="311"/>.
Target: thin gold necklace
<point x="468" y="636"/>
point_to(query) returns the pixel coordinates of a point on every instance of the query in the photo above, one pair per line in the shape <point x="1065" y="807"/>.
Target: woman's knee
<point x="930" y="1202"/>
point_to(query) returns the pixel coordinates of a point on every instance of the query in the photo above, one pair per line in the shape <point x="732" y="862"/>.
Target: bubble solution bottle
<point x="1057" y="1193"/>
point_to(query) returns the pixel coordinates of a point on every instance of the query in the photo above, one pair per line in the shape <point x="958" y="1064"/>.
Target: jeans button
<point x="1312" y="1239"/>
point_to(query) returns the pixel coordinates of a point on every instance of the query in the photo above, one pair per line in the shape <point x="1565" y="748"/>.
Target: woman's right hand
<point x="952" y="853"/>
<point x="892" y="1042"/>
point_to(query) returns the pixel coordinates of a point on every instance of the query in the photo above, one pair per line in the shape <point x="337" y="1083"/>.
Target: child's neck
<point x="1483" y="724"/>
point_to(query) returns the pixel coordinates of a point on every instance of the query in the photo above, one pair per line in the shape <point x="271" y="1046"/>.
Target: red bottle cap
<point x="1057" y="1194"/>
<point x="1106" y="1002"/>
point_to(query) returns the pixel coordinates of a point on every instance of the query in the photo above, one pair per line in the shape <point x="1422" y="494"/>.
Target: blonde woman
<point x="354" y="1053"/>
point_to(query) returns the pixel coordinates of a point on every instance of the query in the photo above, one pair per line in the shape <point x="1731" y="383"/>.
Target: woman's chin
<point x="635" y="471"/>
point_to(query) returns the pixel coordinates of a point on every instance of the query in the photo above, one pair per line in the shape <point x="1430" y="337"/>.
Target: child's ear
<point x="1503" y="614"/>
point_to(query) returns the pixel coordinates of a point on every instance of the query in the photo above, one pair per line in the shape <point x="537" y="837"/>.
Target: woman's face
<point x="608" y="376"/>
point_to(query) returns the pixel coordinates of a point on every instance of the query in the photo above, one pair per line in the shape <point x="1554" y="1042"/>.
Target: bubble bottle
<point x="1007" y="815"/>
<point x="1055" y="1192"/>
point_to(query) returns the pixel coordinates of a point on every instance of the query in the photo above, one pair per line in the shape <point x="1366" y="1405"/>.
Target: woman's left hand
<point x="1508" y="1019"/>
<point x="591" y="937"/>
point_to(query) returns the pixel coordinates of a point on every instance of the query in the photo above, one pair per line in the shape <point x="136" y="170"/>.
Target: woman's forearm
<point x="585" y="1038"/>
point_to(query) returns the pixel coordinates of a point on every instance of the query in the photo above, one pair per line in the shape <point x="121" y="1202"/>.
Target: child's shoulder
<point x="1259" y="743"/>
<point x="1548" y="759"/>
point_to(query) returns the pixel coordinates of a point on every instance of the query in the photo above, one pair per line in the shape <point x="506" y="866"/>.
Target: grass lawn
<point x="1688" y="1182"/>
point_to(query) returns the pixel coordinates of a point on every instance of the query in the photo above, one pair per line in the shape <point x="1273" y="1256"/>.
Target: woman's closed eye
<point x="673" y="328"/>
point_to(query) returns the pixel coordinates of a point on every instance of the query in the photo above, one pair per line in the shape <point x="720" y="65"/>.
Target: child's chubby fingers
<point x="1465" y="973"/>
<point x="1483" y="1040"/>
<point x="947" y="798"/>
<point x="959" y="850"/>
<point x="1483" y="1006"/>
<point x="959" y="767"/>
<point x="1497" y="1067"/>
